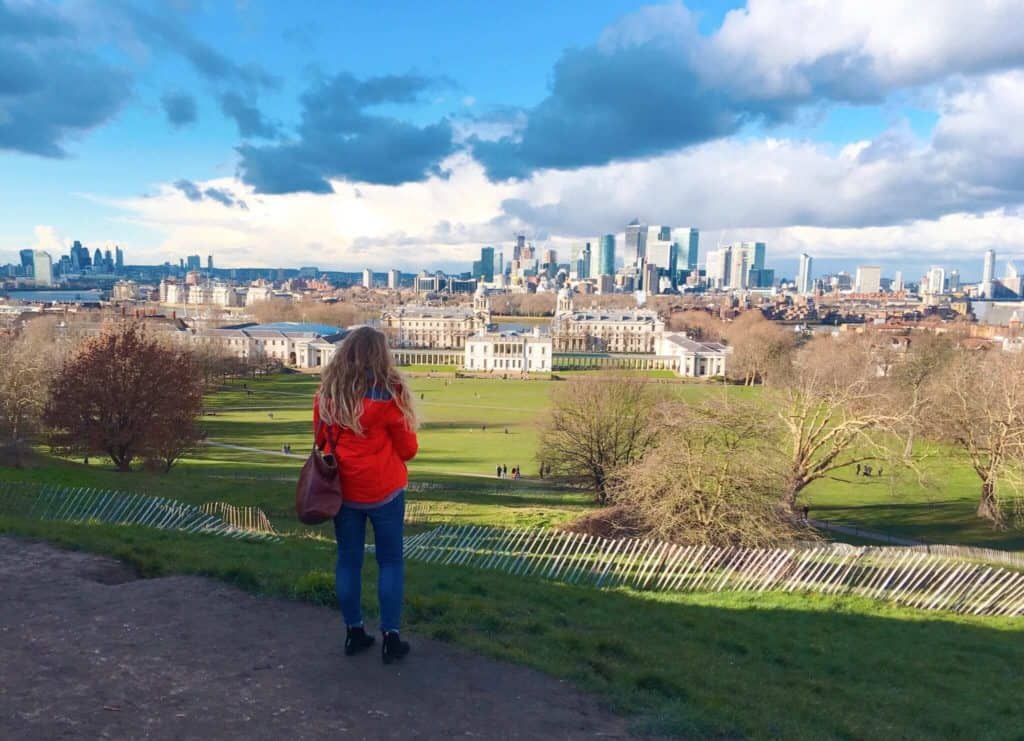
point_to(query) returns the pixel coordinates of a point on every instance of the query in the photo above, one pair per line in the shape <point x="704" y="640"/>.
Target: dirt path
<point x="89" y="651"/>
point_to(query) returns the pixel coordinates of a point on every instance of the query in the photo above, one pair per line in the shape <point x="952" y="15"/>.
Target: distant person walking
<point x="504" y="471"/>
<point x="497" y="470"/>
<point x="363" y="414"/>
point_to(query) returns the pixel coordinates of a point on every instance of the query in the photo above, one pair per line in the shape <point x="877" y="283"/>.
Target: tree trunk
<point x="988" y="506"/>
<point x="790" y="494"/>
<point x="908" y="450"/>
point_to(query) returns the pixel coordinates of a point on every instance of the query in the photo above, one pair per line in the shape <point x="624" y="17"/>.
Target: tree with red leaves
<point x="129" y="396"/>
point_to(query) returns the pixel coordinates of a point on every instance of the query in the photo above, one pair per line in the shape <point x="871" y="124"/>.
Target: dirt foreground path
<point x="87" y="650"/>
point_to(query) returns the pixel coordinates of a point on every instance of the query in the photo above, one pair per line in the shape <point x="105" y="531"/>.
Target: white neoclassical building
<point x="509" y="352"/>
<point x="436" y="327"/>
<point x="294" y="345"/>
<point x="603" y="330"/>
<point x="692" y="358"/>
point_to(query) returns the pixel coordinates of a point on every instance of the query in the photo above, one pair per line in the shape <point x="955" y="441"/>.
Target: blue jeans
<point x="350" y="531"/>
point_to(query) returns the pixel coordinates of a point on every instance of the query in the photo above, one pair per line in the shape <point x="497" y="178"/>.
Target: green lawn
<point x="764" y="665"/>
<point x="942" y="510"/>
<point x="454" y="441"/>
<point x="469" y="426"/>
<point x="710" y="665"/>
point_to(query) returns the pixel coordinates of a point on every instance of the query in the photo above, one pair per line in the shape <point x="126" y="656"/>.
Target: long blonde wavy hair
<point x="362" y="361"/>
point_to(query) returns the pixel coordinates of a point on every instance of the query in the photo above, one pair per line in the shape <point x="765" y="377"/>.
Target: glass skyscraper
<point x="804" y="278"/>
<point x="483" y="269"/>
<point x="606" y="255"/>
<point x="636" y="242"/>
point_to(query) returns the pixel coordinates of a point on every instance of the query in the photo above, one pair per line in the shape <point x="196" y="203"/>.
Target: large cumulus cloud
<point x="340" y="137"/>
<point x="50" y="89"/>
<point x="653" y="84"/>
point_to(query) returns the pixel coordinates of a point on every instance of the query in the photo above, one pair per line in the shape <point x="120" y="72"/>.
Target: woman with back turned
<point x="370" y="427"/>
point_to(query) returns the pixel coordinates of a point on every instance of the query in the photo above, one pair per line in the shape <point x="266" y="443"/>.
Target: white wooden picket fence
<point x="82" y="504"/>
<point x="250" y="519"/>
<point x="912" y="576"/>
<point x="1013" y="559"/>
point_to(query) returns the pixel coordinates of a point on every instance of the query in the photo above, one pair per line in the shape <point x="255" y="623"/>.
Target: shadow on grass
<point x="722" y="665"/>
<point x="950" y="521"/>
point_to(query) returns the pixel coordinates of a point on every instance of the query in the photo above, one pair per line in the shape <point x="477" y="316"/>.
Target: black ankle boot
<point x="393" y="647"/>
<point x="356" y="640"/>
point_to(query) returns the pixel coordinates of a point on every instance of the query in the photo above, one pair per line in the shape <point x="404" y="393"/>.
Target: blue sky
<point x="347" y="134"/>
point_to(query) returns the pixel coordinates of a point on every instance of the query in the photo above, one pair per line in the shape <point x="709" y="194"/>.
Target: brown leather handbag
<point x="318" y="494"/>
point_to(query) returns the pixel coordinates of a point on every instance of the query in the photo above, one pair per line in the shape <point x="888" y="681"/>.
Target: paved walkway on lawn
<point x="860" y="532"/>
<point x="90" y="651"/>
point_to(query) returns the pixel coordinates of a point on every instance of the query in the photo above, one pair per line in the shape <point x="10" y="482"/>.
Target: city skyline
<point x="966" y="270"/>
<point x="238" y="130"/>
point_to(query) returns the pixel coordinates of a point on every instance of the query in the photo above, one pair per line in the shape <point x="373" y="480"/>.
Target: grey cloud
<point x="26" y="22"/>
<point x="167" y="30"/>
<point x="619" y="103"/>
<point x="51" y="97"/>
<point x="189" y="189"/>
<point x="197" y="195"/>
<point x="225" y="198"/>
<point x="390" y="88"/>
<point x="180" y="108"/>
<point x="337" y="138"/>
<point x="653" y="84"/>
<point x="249" y="119"/>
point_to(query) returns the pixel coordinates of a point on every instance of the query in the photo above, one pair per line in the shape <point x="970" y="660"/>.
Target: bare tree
<point x="698" y="324"/>
<point x="523" y="304"/>
<point x="978" y="407"/>
<point x="127" y="395"/>
<point x="835" y="413"/>
<point x="913" y="369"/>
<point x="27" y="365"/>
<point x="596" y="425"/>
<point x="712" y="479"/>
<point x="340" y="314"/>
<point x="760" y="348"/>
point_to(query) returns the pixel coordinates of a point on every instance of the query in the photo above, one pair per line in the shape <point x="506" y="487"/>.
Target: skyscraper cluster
<point x="41" y="267"/>
<point x="739" y="266"/>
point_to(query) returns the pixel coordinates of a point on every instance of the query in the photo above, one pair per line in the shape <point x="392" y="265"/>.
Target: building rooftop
<point x="638" y="315"/>
<point x="686" y="343"/>
<point x="432" y="312"/>
<point x="303" y="327"/>
<point x="510" y="334"/>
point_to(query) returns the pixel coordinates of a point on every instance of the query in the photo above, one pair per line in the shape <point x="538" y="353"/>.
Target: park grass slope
<point x="704" y="665"/>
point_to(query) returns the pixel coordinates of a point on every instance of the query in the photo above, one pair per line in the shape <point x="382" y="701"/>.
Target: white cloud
<point x="958" y="192"/>
<point x="48" y="239"/>
<point x="789" y="47"/>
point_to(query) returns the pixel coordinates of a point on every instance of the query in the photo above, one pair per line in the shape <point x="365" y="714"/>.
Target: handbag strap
<point x="316" y="435"/>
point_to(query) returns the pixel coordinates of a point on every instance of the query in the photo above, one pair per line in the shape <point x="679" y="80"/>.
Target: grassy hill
<point x="757" y="665"/>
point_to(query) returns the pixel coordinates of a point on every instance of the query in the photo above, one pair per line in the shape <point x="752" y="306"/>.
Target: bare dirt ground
<point x="87" y="650"/>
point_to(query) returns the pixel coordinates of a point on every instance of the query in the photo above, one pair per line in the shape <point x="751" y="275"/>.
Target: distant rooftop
<point x="304" y="327"/>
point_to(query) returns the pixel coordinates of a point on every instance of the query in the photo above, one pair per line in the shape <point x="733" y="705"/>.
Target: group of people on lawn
<point x="502" y="471"/>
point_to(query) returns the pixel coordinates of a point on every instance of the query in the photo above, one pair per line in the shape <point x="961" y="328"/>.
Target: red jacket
<point x="372" y="465"/>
